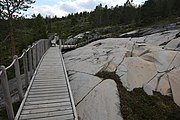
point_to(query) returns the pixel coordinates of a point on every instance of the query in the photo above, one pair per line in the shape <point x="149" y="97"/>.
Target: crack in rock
<point x="132" y="49"/>
<point x="120" y="62"/>
<point x="89" y="93"/>
<point x="81" y="72"/>
<point x="106" y="65"/>
<point x="173" y="59"/>
<point x="158" y="81"/>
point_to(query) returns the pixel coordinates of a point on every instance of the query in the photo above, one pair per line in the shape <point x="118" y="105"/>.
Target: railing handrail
<point x="31" y="57"/>
<point x="21" y="56"/>
<point x="11" y="64"/>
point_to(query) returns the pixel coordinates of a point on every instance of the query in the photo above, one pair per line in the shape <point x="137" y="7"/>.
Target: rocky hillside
<point x="147" y="59"/>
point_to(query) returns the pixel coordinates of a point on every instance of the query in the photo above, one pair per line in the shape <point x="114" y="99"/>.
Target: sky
<point x="64" y="7"/>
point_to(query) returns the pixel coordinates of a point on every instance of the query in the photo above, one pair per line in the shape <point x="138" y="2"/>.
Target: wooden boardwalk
<point x="49" y="96"/>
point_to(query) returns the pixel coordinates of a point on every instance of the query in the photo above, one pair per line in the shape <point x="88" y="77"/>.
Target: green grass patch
<point x="137" y="105"/>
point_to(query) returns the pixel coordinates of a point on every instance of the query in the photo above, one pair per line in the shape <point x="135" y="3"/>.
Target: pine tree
<point x="10" y="10"/>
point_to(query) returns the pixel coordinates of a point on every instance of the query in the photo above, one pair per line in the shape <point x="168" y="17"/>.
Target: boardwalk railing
<point x="30" y="57"/>
<point x="67" y="81"/>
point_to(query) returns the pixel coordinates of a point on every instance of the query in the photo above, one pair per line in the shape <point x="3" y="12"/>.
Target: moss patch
<point x="137" y="105"/>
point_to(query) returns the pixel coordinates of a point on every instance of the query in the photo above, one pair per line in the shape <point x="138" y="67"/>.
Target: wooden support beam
<point x="18" y="77"/>
<point x="6" y="92"/>
<point x="34" y="56"/>
<point x="37" y="53"/>
<point x="25" y="65"/>
<point x="30" y="61"/>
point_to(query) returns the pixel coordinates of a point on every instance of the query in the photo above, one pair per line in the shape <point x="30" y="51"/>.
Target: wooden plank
<point x="51" y="89"/>
<point x="50" y="109"/>
<point x="47" y="74"/>
<point x="48" y="77"/>
<point x="45" y="71"/>
<point x="50" y="74"/>
<point x="56" y="63"/>
<point x="51" y="62"/>
<point x="47" y="101"/>
<point x="46" y="114"/>
<point x="46" y="84"/>
<point x="47" y="98"/>
<point x="49" y="82"/>
<point x="50" y="68"/>
<point x="42" y="87"/>
<point x="47" y="92"/>
<point x="46" y="105"/>
<point x="40" y="77"/>
<point x="45" y="95"/>
<point x="59" y="72"/>
<point x="64" y="117"/>
<point x="55" y="67"/>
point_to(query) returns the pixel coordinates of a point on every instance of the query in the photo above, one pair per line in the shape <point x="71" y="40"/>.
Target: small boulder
<point x="148" y="89"/>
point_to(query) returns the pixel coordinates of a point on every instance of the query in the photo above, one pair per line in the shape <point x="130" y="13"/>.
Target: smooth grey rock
<point x="173" y="45"/>
<point x="147" y="89"/>
<point x="101" y="104"/>
<point x="134" y="72"/>
<point x="175" y="84"/>
<point x="81" y="84"/>
<point x="137" y="61"/>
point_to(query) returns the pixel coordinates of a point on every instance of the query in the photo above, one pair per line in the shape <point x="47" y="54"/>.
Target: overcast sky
<point x="64" y="7"/>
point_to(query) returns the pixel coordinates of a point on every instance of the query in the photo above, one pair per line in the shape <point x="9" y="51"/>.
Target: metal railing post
<point x="18" y="77"/>
<point x="6" y="92"/>
<point x="30" y="61"/>
<point x="25" y="64"/>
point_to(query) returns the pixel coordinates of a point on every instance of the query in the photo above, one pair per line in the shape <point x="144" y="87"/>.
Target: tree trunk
<point x="13" y="44"/>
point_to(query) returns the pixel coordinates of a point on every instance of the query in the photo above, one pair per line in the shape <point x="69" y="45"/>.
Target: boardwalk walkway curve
<point x="48" y="95"/>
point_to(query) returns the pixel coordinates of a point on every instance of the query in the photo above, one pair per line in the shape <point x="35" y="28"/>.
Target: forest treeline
<point x="26" y="31"/>
<point x="150" y="12"/>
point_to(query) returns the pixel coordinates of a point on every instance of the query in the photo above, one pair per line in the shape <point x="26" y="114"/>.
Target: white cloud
<point x="46" y="10"/>
<point x="64" y="7"/>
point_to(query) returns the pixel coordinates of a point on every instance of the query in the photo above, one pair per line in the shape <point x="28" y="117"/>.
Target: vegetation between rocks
<point x="137" y="105"/>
